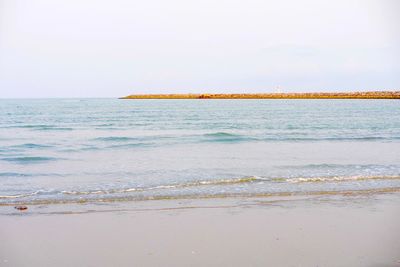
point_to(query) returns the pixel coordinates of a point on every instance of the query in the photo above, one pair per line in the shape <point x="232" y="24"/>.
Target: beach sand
<point x="319" y="231"/>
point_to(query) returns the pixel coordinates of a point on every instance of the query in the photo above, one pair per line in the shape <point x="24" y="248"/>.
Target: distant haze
<point x="94" y="48"/>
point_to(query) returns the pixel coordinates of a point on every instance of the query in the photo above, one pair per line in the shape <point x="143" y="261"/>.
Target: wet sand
<point x="319" y="231"/>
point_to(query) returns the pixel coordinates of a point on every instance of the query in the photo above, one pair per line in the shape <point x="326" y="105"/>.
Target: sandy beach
<point x="358" y="230"/>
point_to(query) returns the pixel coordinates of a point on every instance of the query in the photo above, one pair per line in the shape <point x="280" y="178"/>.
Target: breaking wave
<point x="218" y="182"/>
<point x="339" y="179"/>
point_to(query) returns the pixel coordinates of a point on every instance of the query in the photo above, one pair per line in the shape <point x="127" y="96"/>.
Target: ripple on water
<point x="31" y="145"/>
<point x="225" y="137"/>
<point x="29" y="159"/>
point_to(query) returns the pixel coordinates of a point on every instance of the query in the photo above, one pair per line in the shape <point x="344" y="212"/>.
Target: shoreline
<point x="216" y="197"/>
<point x="338" y="95"/>
<point x="314" y="231"/>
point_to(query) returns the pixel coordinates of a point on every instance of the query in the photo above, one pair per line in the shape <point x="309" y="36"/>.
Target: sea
<point x="99" y="150"/>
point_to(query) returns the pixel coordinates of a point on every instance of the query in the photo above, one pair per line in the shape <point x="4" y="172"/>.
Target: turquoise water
<point x="61" y="150"/>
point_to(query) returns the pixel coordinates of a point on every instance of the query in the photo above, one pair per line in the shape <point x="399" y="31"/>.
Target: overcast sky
<point x="94" y="48"/>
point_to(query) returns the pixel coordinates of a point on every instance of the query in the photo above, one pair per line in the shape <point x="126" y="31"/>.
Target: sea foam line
<point x="344" y="193"/>
<point x="339" y="178"/>
<point x="243" y="180"/>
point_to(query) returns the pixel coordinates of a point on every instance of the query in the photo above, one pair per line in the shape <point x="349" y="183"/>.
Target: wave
<point x="115" y="139"/>
<point x="103" y="199"/>
<point x="41" y="127"/>
<point x="170" y="186"/>
<point x="242" y="180"/>
<point x="29" y="126"/>
<point x="122" y="139"/>
<point x="18" y="174"/>
<point x="14" y="174"/>
<point x="230" y="137"/>
<point x="226" y="137"/>
<point x="55" y="129"/>
<point x="130" y="145"/>
<point x="38" y="192"/>
<point x="221" y="134"/>
<point x="342" y="138"/>
<point x="18" y="196"/>
<point x="142" y="189"/>
<point x="31" y="145"/>
<point x="105" y="125"/>
<point x="338" y="179"/>
<point x="28" y="160"/>
<point x="338" y="166"/>
<point x="120" y="145"/>
<point x="125" y="192"/>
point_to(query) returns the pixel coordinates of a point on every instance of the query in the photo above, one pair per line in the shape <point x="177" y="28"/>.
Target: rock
<point x="21" y="207"/>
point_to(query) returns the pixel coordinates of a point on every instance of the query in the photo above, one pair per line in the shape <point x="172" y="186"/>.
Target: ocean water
<point x="74" y="150"/>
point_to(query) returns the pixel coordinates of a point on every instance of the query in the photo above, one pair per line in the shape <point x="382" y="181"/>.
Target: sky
<point x="96" y="48"/>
